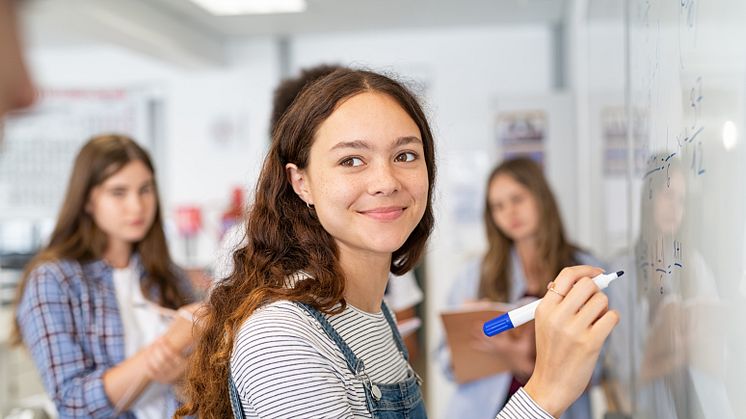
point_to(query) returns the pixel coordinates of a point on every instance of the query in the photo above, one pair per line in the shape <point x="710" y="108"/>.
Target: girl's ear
<point x="298" y="178"/>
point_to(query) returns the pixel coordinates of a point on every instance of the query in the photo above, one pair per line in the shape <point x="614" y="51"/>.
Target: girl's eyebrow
<point x="407" y="140"/>
<point x="356" y="144"/>
<point x="122" y="186"/>
<point x="363" y="145"/>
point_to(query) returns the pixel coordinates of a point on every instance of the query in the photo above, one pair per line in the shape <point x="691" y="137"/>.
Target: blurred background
<point x="193" y="83"/>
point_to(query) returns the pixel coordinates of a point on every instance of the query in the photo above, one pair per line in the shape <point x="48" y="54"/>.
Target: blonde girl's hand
<point x="570" y="331"/>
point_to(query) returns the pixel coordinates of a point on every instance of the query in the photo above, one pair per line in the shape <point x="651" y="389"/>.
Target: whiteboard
<point x="680" y="351"/>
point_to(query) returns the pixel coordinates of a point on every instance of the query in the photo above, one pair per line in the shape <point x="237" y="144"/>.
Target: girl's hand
<point x="570" y="331"/>
<point x="180" y="332"/>
<point x="164" y="363"/>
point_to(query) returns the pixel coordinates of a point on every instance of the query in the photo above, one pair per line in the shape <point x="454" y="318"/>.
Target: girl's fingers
<point x="593" y="309"/>
<point x="579" y="295"/>
<point x="567" y="278"/>
<point x="604" y="325"/>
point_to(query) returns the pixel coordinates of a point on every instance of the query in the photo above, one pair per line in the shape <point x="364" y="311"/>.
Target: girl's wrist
<point x="148" y="356"/>
<point x="542" y="399"/>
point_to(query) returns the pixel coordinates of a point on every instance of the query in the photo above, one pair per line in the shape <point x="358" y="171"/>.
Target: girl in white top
<point x="97" y="306"/>
<point x="299" y="329"/>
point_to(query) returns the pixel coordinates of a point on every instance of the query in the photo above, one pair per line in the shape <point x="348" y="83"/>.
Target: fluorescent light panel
<point x="246" y="7"/>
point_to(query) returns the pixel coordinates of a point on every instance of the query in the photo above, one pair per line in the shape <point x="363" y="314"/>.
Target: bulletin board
<point x="40" y="144"/>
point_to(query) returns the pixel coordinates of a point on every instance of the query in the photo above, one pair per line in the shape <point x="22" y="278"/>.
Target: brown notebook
<point x="461" y="326"/>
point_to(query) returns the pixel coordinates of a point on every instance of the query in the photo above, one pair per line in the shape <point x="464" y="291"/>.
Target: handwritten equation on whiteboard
<point x="659" y="262"/>
<point x="678" y="136"/>
<point x="688" y="137"/>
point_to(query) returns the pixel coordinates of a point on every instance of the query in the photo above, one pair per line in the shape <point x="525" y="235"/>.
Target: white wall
<point x="600" y="85"/>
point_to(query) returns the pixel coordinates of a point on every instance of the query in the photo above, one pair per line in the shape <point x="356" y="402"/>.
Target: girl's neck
<point x="366" y="277"/>
<point x="118" y="253"/>
<point x="527" y="250"/>
<point x="528" y="255"/>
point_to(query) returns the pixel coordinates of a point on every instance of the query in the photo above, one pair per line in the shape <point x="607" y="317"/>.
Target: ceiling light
<point x="246" y="7"/>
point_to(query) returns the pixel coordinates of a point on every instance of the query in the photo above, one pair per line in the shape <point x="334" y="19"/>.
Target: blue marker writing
<point x="525" y="314"/>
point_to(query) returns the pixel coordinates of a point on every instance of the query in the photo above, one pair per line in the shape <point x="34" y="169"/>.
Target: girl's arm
<point x="77" y="387"/>
<point x="570" y="332"/>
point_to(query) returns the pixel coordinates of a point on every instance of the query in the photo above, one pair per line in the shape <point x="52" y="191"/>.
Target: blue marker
<point x="525" y="314"/>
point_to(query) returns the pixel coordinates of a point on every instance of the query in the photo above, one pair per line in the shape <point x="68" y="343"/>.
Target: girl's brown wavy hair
<point x="554" y="250"/>
<point x="284" y="236"/>
<point x="77" y="237"/>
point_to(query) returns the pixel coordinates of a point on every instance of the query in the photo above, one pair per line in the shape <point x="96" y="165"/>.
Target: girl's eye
<point x="407" y="156"/>
<point x="352" y="162"/>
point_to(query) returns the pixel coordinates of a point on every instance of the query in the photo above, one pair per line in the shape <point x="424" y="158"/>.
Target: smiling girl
<point x="300" y="329"/>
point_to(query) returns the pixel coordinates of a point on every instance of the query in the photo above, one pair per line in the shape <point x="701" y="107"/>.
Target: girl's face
<point x="366" y="175"/>
<point x="668" y="204"/>
<point x="124" y="205"/>
<point x="514" y="208"/>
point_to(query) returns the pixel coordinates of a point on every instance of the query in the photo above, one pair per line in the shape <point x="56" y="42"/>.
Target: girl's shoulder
<point x="53" y="279"/>
<point x="278" y="332"/>
<point x="282" y="310"/>
<point x="55" y="269"/>
<point x="280" y="320"/>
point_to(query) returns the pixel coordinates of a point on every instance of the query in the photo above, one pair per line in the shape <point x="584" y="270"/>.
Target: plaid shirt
<point x="69" y="319"/>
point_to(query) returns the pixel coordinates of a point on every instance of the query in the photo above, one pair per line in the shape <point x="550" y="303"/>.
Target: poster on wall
<point x="40" y="144"/>
<point x="522" y="134"/>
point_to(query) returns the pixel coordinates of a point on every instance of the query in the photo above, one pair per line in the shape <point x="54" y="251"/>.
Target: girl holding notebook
<point x="526" y="248"/>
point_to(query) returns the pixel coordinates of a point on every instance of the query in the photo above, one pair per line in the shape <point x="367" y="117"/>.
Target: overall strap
<point x="354" y="364"/>
<point x="395" y="331"/>
<point x="236" y="405"/>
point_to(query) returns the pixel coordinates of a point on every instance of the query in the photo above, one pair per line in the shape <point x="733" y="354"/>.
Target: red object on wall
<point x="188" y="220"/>
<point x="234" y="213"/>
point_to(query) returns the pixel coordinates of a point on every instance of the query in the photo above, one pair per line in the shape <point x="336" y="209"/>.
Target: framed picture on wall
<point x="522" y="133"/>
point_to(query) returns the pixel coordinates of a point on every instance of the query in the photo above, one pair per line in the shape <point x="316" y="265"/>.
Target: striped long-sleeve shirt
<point x="285" y="366"/>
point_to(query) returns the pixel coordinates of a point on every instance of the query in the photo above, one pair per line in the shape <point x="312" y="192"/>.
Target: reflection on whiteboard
<point x="679" y="350"/>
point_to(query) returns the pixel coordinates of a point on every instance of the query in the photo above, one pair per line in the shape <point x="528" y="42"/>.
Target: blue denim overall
<point x="401" y="400"/>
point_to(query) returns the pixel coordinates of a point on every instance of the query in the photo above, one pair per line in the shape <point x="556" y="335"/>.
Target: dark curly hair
<point x="285" y="237"/>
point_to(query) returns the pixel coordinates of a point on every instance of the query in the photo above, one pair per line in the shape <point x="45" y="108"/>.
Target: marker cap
<point x="497" y="325"/>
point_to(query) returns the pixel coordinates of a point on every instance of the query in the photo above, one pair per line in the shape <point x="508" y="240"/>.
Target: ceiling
<point x="345" y="15"/>
<point x="180" y="31"/>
